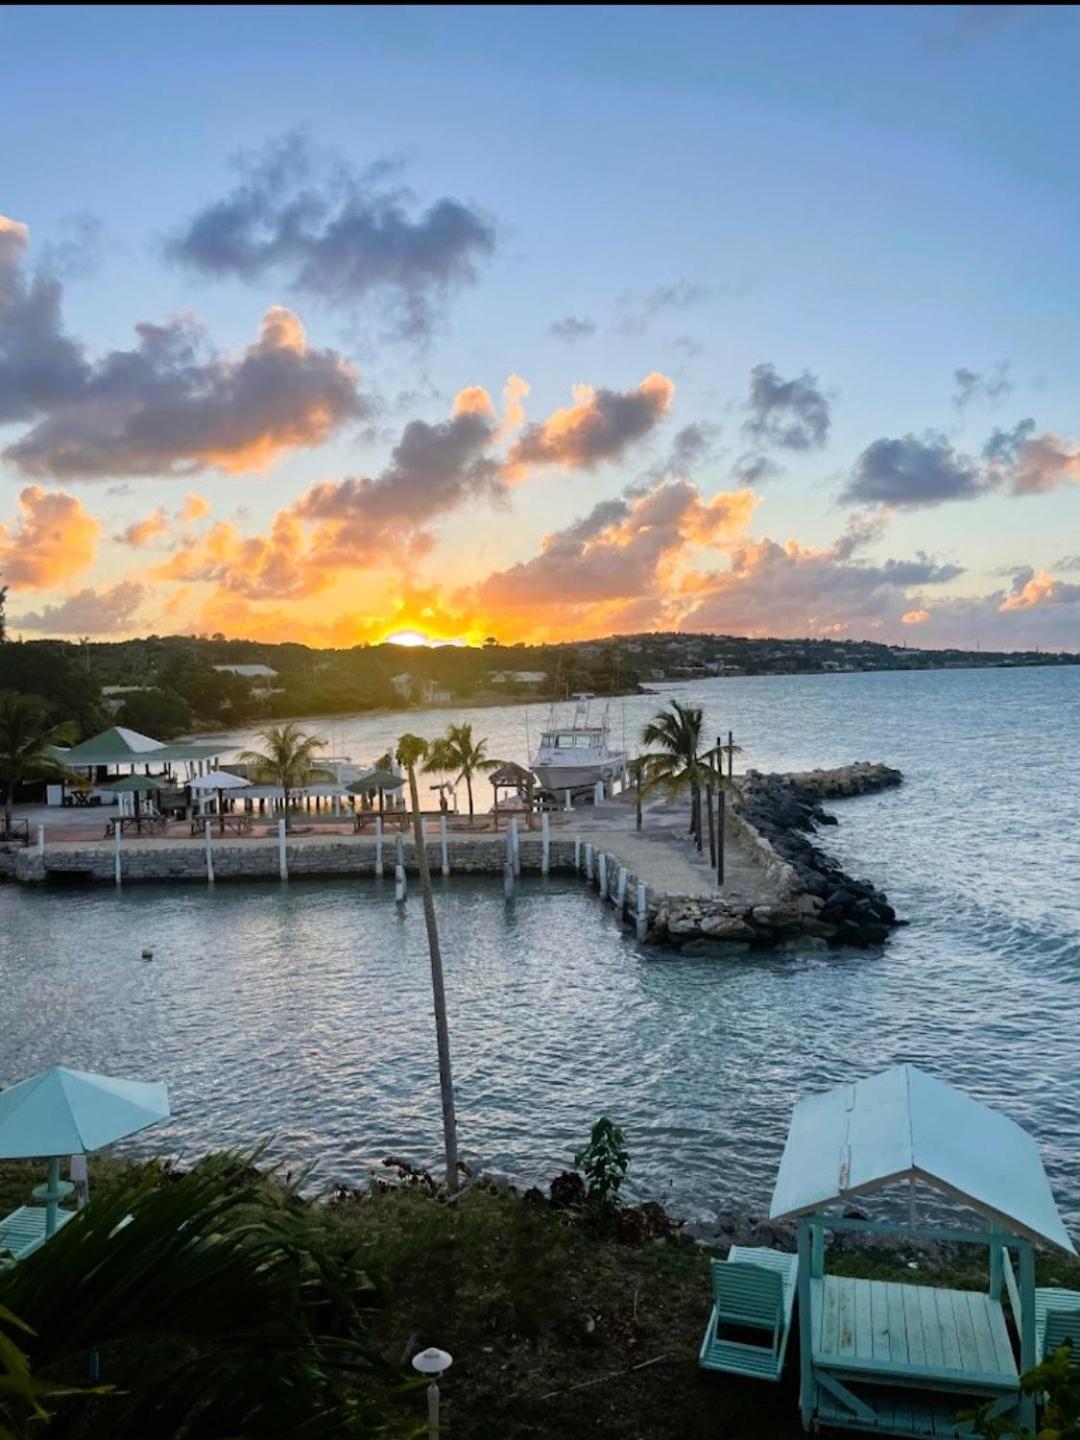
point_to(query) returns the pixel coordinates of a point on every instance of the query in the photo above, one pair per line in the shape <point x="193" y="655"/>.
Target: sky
<point x="333" y="323"/>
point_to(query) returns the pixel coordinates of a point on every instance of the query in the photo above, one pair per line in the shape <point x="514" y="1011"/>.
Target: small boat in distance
<point x="574" y="757"/>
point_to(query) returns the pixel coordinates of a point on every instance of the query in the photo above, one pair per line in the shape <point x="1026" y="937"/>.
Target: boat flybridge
<point x="574" y="757"/>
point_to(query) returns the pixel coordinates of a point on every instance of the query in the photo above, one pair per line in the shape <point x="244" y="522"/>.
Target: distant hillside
<point x="165" y="685"/>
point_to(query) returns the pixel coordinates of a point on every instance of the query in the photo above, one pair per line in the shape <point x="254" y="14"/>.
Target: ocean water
<point x="302" y="1014"/>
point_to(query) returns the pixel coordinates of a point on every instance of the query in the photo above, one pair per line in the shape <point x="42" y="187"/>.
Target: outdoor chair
<point x="1057" y="1319"/>
<point x="753" y="1291"/>
<point x="23" y="1231"/>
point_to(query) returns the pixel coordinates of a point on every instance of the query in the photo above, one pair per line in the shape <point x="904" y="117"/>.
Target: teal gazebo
<point x="901" y="1359"/>
<point x="66" y="1112"/>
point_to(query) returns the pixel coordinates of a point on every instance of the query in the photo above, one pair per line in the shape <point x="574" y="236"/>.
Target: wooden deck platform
<point x="872" y="1340"/>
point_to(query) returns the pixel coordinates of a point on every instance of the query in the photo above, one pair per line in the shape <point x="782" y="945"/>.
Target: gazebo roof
<point x="115" y="746"/>
<point x="120" y="746"/>
<point x="904" y="1124"/>
<point x="510" y="773"/>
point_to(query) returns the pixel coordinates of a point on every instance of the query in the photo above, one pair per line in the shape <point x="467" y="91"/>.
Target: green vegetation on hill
<point x="166" y="685"/>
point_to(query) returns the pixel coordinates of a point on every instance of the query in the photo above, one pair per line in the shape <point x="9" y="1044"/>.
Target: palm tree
<point x="679" y="762"/>
<point x="26" y="739"/>
<point x="457" y="753"/>
<point x="287" y="759"/>
<point x="410" y="751"/>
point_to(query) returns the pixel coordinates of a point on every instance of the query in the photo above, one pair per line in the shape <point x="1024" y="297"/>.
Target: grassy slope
<point x="546" y="1322"/>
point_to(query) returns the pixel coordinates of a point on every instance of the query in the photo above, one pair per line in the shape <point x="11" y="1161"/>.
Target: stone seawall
<point x="816" y="902"/>
<point x="801" y="898"/>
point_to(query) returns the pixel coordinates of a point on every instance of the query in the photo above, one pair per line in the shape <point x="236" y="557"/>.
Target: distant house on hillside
<point x="261" y="673"/>
<point x="426" y="692"/>
<point x="114" y="696"/>
<point x="249" y="672"/>
<point x="518" y="677"/>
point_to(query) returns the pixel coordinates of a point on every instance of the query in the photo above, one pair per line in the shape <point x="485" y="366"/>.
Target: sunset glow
<point x="313" y="387"/>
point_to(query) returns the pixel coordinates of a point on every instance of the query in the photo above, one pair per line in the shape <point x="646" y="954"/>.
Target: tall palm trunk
<point x="286" y="793"/>
<point x="442" y="1029"/>
<point x="468" y="787"/>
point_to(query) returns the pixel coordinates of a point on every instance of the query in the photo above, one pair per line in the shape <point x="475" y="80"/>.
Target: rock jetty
<point x="817" y="903"/>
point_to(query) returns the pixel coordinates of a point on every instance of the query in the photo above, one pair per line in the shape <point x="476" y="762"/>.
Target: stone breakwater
<point x="815" y="903"/>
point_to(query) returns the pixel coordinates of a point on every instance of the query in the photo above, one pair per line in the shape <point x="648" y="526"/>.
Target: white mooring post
<point x="444" y="845"/>
<point x="117" y="870"/>
<point x="588" y="862"/>
<point x="545" y="844"/>
<point x="603" y="874"/>
<point x="400" y="885"/>
<point x="598" y="793"/>
<point x="282" y="857"/>
<point x="620" y="894"/>
<point x="515" y="848"/>
<point x="41" y="839"/>
<point x="378" y="847"/>
<point x="209" y="854"/>
<point x="642" y="916"/>
<point x="508" y="869"/>
<point x="568" y="805"/>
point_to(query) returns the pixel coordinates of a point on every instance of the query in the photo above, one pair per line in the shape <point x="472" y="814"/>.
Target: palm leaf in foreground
<point x="218" y="1305"/>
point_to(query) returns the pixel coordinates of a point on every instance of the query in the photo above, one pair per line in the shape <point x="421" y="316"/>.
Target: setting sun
<point x="408" y="637"/>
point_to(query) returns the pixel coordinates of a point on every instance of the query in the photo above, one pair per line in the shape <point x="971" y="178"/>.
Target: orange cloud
<point x="473" y="400"/>
<point x="599" y="426"/>
<point x="1040" y="589"/>
<point x="194" y="508"/>
<point x="52" y="540"/>
<point x="914" y="617"/>
<point x="141" y="532"/>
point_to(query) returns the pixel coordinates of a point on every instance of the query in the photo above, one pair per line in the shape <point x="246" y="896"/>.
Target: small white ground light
<point x="432" y="1362"/>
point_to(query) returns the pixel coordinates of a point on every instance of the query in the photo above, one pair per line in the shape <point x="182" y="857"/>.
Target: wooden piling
<point x="603" y="874"/>
<point x="209" y="841"/>
<point x="508" y="869"/>
<point x="577" y="855"/>
<point x="721" y="807"/>
<point x="620" y="892"/>
<point x="588" y="862"/>
<point x="283" y="858"/>
<point x="117" y="867"/>
<point x="642" y="916"/>
<point x="444" y="846"/>
<point x="378" y="847"/>
<point x="545" y="844"/>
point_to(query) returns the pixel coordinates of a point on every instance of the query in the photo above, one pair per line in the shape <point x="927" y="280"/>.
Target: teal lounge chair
<point x="23" y="1232"/>
<point x="1057" y="1319"/>
<point x="753" y="1290"/>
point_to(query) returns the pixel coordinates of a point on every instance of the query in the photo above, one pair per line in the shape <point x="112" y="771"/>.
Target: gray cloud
<point x="754" y="468"/>
<point x="971" y="385"/>
<point x="691" y="447"/>
<point x="912" y="472"/>
<point x="600" y="426"/>
<point x="1067" y="562"/>
<point x="89" y="612"/>
<point x="169" y="405"/>
<point x="1029" y="464"/>
<point x="792" y="414"/>
<point x="636" y="311"/>
<point x="432" y="470"/>
<point x="336" y="235"/>
<point x="572" y="328"/>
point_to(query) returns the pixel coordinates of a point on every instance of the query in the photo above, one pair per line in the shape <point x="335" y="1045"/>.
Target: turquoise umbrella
<point x="71" y="1112"/>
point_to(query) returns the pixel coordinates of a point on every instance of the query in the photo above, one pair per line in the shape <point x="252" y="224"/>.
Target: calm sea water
<point x="302" y="1013"/>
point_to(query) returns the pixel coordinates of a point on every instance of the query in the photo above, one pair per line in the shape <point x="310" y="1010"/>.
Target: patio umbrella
<point x="220" y="780"/>
<point x="372" y="780"/>
<point x="136" y="785"/>
<point x="71" y="1112"/>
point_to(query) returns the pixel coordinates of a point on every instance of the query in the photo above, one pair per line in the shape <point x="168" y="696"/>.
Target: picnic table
<point x="238" y="824"/>
<point x="155" y="824"/>
<point x="81" y="798"/>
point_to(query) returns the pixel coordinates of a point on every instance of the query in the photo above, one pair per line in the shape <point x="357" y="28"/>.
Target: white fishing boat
<point x="574" y="757"/>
